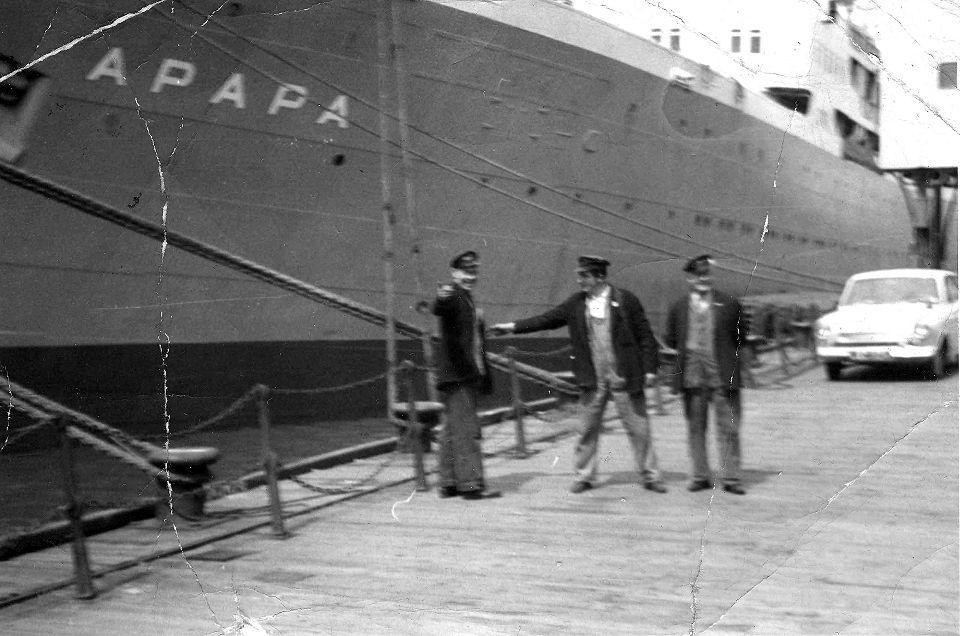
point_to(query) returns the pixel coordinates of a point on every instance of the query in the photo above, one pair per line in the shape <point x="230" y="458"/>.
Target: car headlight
<point x="825" y="333"/>
<point x="920" y="333"/>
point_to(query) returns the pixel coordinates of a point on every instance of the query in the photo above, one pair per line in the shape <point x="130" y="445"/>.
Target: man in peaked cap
<point x="462" y="375"/>
<point x="614" y="354"/>
<point x="707" y="328"/>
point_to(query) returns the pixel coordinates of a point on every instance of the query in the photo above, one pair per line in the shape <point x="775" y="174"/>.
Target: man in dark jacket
<point x="614" y="353"/>
<point x="462" y="374"/>
<point x="707" y="328"/>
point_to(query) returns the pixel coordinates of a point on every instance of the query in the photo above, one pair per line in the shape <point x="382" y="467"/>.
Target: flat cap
<point x="465" y="260"/>
<point x="699" y="264"/>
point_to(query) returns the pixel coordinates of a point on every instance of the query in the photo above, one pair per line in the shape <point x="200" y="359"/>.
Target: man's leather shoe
<point x="700" y="484"/>
<point x="735" y="489"/>
<point x="447" y="491"/>
<point x="655" y="486"/>
<point x="580" y="486"/>
<point x="473" y="495"/>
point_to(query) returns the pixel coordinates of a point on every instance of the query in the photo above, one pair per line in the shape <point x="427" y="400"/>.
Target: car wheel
<point x="937" y="365"/>
<point x="833" y="370"/>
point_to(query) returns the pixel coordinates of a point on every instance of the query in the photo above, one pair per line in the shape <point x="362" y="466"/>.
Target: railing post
<point x="73" y="510"/>
<point x="270" y="463"/>
<point x="782" y="342"/>
<point x="414" y="430"/>
<point x="428" y="361"/>
<point x="518" y="406"/>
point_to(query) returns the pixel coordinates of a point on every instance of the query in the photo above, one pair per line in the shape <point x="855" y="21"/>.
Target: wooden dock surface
<point x="849" y="525"/>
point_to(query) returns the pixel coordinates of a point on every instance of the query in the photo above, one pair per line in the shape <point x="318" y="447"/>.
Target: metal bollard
<point x="518" y="407"/>
<point x="73" y="510"/>
<point x="413" y="427"/>
<point x="270" y="464"/>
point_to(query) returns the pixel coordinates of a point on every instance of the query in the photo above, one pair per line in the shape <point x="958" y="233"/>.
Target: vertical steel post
<point x="518" y="406"/>
<point x="410" y="203"/>
<point x="414" y="430"/>
<point x="270" y="463"/>
<point x="72" y="509"/>
<point x="384" y="57"/>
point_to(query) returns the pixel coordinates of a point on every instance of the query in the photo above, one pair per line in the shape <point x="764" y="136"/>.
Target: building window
<point x="755" y="41"/>
<point x="735" y="41"/>
<point x="656" y="36"/>
<point x="675" y="39"/>
<point x="947" y="75"/>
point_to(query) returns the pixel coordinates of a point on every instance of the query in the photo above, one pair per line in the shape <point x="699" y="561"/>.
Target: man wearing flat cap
<point x="614" y="353"/>
<point x="462" y="375"/>
<point x="707" y="329"/>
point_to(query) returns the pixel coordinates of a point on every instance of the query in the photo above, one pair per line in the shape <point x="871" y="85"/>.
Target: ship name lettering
<point x="180" y="73"/>
<point x="165" y="77"/>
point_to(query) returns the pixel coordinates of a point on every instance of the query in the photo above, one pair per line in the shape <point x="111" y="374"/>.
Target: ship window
<point x="675" y="39"/>
<point x="735" y="41"/>
<point x="870" y="90"/>
<point x="947" y="75"/>
<point x="656" y="36"/>
<point x="754" y="41"/>
<point x="797" y="99"/>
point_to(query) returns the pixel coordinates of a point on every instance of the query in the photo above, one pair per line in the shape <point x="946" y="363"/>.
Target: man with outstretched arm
<point x="615" y="352"/>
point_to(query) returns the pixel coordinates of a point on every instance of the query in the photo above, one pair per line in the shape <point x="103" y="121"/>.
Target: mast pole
<point x="384" y="58"/>
<point x="406" y="170"/>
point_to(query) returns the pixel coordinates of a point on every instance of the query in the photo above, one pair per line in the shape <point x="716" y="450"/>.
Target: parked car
<point x="905" y="316"/>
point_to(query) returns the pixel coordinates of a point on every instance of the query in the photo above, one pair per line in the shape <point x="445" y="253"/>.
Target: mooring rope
<point x="128" y="221"/>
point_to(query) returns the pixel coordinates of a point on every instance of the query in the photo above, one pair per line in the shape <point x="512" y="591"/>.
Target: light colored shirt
<point x="701" y="362"/>
<point x="597" y="305"/>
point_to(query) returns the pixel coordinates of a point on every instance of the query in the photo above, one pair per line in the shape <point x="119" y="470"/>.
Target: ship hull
<point x="279" y="138"/>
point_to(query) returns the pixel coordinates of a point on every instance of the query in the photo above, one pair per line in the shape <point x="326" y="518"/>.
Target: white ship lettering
<point x="180" y="74"/>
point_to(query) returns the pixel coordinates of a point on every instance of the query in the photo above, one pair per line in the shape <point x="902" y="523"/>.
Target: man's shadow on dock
<point x="514" y="482"/>
<point x="676" y="479"/>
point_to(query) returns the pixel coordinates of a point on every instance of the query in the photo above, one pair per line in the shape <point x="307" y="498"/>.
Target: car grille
<point x="865" y="339"/>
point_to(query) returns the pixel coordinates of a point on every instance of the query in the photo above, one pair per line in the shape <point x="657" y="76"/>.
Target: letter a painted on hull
<point x="165" y="77"/>
<point x="231" y="90"/>
<point x="336" y="111"/>
<point x="280" y="99"/>
<point x="110" y="66"/>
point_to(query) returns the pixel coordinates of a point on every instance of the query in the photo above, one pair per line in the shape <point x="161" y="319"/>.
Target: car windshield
<point x="891" y="290"/>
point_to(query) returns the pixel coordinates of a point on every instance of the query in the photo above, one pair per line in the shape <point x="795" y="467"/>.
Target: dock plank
<point x="849" y="526"/>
